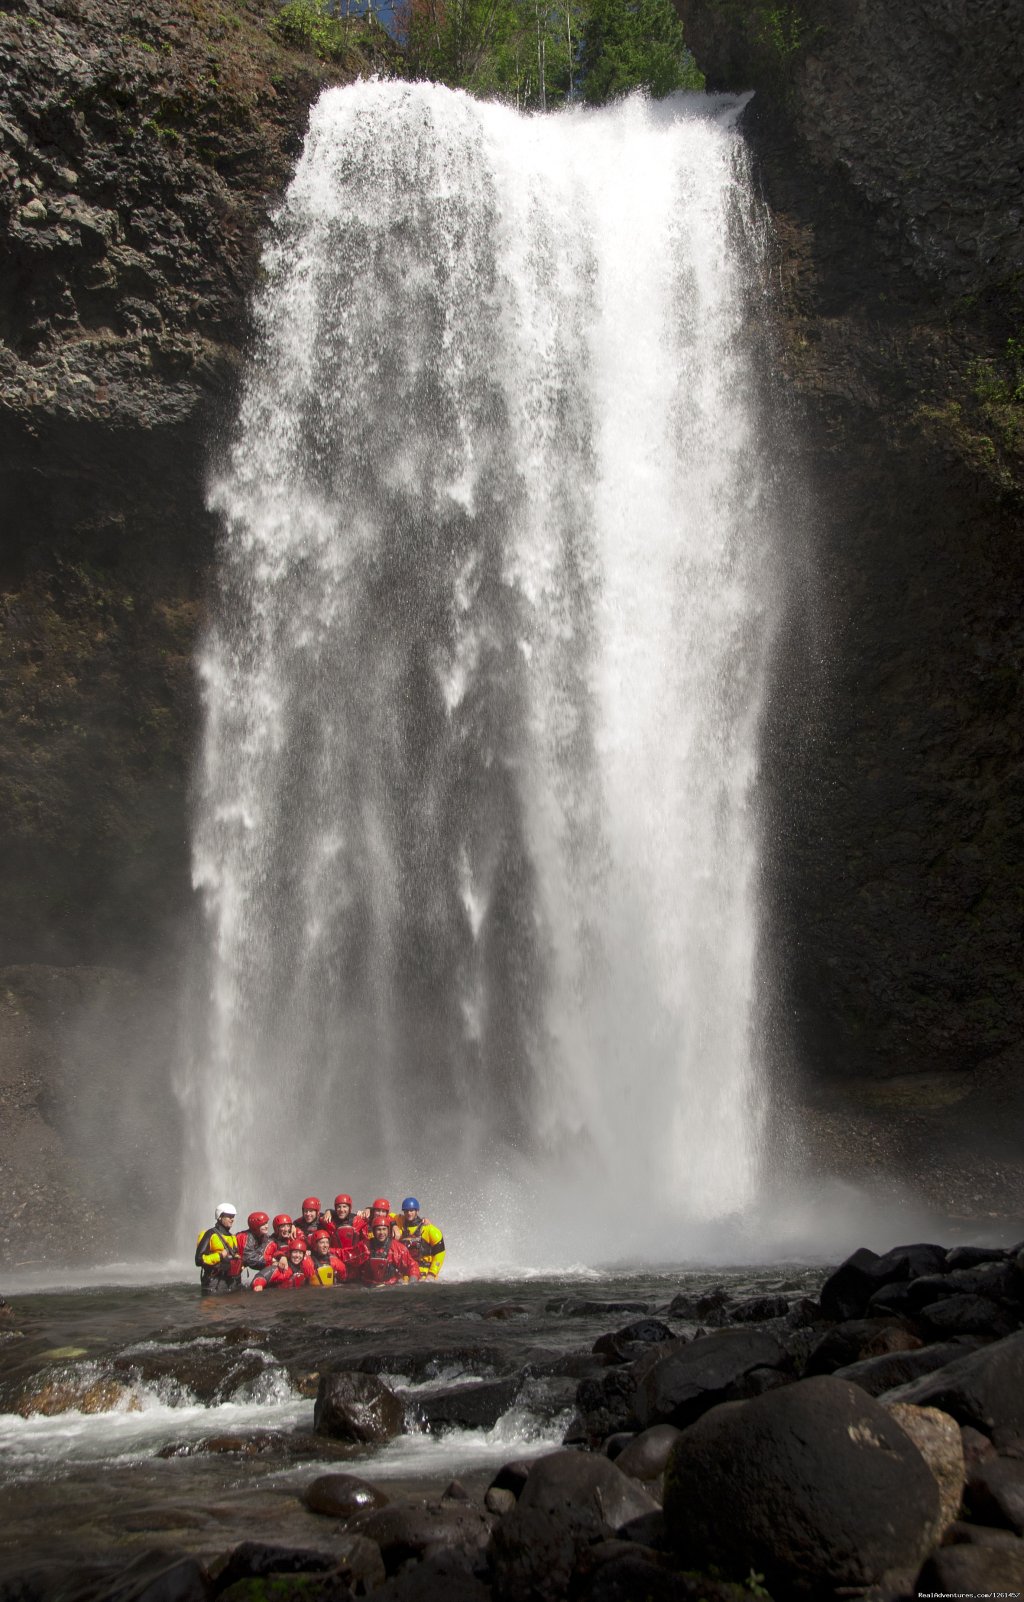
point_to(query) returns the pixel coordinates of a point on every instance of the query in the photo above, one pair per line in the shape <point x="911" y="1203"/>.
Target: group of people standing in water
<point x="373" y="1247"/>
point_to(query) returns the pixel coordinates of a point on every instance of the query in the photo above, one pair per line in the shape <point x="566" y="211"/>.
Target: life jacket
<point x="379" y="1266"/>
<point x="424" y="1243"/>
<point x="347" y="1239"/>
<point x="216" y="1274"/>
<point x="387" y="1262"/>
<point x="328" y="1270"/>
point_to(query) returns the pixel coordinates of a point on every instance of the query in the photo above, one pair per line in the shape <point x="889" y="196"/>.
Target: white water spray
<point x="475" y="829"/>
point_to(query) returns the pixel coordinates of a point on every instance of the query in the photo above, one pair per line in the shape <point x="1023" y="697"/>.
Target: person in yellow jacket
<point x="217" y="1256"/>
<point x="422" y="1238"/>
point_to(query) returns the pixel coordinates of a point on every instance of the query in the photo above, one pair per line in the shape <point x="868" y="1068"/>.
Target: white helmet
<point x="227" y="1207"/>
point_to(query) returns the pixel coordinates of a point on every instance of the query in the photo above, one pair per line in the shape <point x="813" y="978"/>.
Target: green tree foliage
<point x="342" y="31"/>
<point x="634" y="44"/>
<point x="541" y="53"/>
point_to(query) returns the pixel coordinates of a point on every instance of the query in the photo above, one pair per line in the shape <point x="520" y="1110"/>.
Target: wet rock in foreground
<point x="692" y="1377"/>
<point x="814" y="1485"/>
<point x="984" y="1389"/>
<point x="357" y="1407"/>
<point x="339" y="1496"/>
<point x="409" y="1531"/>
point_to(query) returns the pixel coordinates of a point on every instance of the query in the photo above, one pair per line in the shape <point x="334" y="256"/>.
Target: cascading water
<point x="475" y="829"/>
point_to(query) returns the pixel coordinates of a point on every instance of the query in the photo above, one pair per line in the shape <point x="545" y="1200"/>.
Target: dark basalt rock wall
<point x="890" y="150"/>
<point x="140" y="148"/>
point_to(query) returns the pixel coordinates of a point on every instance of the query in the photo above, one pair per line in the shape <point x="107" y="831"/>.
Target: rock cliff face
<point x="890" y="151"/>
<point x="140" y="148"/>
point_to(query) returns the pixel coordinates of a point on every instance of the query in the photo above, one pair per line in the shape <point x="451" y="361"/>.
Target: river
<point x="204" y="1435"/>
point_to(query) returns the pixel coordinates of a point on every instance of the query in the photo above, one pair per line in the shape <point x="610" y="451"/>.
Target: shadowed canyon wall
<point x="890" y="155"/>
<point x="140" y="148"/>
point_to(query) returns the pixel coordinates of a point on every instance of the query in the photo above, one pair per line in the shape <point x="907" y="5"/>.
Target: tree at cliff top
<point x="543" y="53"/>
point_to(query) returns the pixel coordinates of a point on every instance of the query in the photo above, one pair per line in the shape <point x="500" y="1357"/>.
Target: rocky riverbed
<point x="789" y="1432"/>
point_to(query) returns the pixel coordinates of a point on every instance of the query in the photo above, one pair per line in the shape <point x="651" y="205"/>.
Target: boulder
<point x="856" y="1339"/>
<point x="803" y="1313"/>
<point x="963" y="1534"/>
<point x="182" y="1581"/>
<point x="976" y="1447"/>
<point x="974" y="1256"/>
<point x="464" y="1407"/>
<point x="606" y="1405"/>
<point x="209" y="1374"/>
<point x="455" y="1491"/>
<point x="910" y="1262"/>
<point x="937" y="1438"/>
<point x="563" y="1483"/>
<point x="617" y="1443"/>
<point x="623" y="1345"/>
<point x="758" y="1309"/>
<point x="878" y="1374"/>
<point x="634" y="1575"/>
<point x="701" y="1307"/>
<point x="985" y="1389"/>
<point x="813" y="1486"/>
<point x="532" y="1555"/>
<point x="435" y="1578"/>
<point x="432" y="1363"/>
<point x="892" y="1301"/>
<point x="357" y="1407"/>
<point x="338" y="1496"/>
<point x="995" y="1493"/>
<point x="999" y="1282"/>
<point x="289" y="1588"/>
<point x="968" y="1315"/>
<point x="759" y="1380"/>
<point x="973" y="1571"/>
<point x="406" y="1530"/>
<point x="570" y="1501"/>
<point x="513" y="1476"/>
<point x="689" y="1378"/>
<point x="645" y="1456"/>
<point x="587" y="1307"/>
<point x="847" y="1291"/>
<point x="253" y="1560"/>
<point x="499" y="1501"/>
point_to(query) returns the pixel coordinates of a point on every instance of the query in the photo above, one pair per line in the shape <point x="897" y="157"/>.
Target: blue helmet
<point x="410" y="1205"/>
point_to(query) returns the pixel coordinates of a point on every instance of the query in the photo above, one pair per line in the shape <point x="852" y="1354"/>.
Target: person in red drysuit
<point x="387" y="1262"/>
<point x="328" y="1265"/>
<point x="348" y="1230"/>
<point x="309" y="1217"/>
<point x="255" y="1245"/>
<point x="284" y="1230"/>
<point x="289" y="1272"/>
<point x="381" y="1208"/>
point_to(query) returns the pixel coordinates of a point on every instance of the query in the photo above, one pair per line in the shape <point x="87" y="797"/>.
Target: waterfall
<point x="475" y="829"/>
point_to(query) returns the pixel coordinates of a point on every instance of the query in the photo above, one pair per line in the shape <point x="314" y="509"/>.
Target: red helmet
<point x="311" y="1204"/>
<point x="381" y="1205"/>
<point x="281" y="1220"/>
<point x="320" y="1234"/>
<point x="257" y="1220"/>
<point x="380" y="1222"/>
<point x="343" y="1200"/>
<point x="297" y="1246"/>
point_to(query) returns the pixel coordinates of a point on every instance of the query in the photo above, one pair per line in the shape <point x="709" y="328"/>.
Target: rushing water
<point x="145" y="1417"/>
<point x="476" y="827"/>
